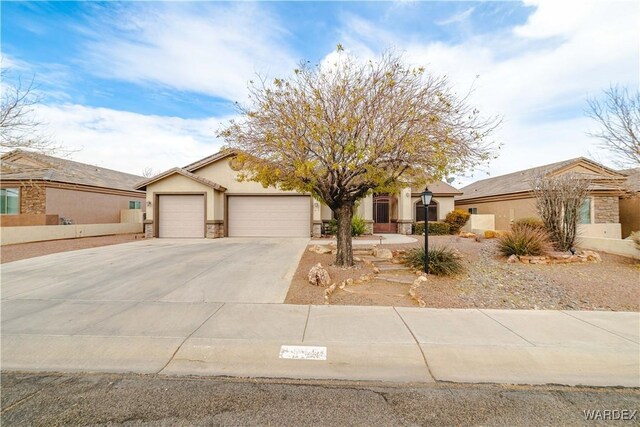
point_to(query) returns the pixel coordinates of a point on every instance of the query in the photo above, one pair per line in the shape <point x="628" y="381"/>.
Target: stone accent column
<point x="148" y="229"/>
<point x="404" y="227"/>
<point x="316" y="229"/>
<point x="33" y="199"/>
<point x="368" y="227"/>
<point x="606" y="210"/>
<point x="215" y="229"/>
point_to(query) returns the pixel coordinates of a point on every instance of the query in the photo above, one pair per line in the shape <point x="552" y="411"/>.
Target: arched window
<point x="432" y="211"/>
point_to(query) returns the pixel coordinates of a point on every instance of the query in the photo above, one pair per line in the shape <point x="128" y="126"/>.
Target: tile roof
<point x="520" y="181"/>
<point x="26" y="165"/>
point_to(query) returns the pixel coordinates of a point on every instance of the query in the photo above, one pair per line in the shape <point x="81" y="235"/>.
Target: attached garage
<point x="269" y="216"/>
<point x="181" y="215"/>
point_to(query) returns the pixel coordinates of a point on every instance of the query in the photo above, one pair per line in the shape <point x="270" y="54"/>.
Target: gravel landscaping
<point x="31" y="250"/>
<point x="488" y="282"/>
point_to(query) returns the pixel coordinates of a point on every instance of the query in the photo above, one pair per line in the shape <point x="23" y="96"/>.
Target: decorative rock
<point x="512" y="259"/>
<point x="320" y="249"/>
<point x="467" y="235"/>
<point x="592" y="256"/>
<point x="356" y="259"/>
<point x="376" y="270"/>
<point x="318" y="276"/>
<point x="382" y="253"/>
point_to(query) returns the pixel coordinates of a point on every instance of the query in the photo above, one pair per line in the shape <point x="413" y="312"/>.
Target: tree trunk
<point x="344" y="255"/>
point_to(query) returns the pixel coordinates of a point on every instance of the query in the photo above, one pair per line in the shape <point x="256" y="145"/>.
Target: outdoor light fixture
<point x="426" y="197"/>
<point x="149" y="203"/>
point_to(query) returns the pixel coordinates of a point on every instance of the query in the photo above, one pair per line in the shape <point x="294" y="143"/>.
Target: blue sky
<point x="130" y="85"/>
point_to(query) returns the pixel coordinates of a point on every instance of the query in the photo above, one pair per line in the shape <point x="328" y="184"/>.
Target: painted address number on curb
<point x="304" y="352"/>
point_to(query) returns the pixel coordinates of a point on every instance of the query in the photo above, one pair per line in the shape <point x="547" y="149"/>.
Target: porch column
<point x="405" y="216"/>
<point x="316" y="226"/>
<point x="367" y="212"/>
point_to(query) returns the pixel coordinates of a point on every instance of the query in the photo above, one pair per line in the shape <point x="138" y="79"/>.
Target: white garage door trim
<point x="181" y="215"/>
<point x="269" y="216"/>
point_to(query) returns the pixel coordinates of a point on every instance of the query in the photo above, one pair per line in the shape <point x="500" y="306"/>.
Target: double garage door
<point x="247" y="216"/>
<point x="269" y="216"/>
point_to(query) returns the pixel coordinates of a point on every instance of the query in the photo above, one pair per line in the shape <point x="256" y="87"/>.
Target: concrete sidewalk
<point x="382" y="239"/>
<point x="362" y="343"/>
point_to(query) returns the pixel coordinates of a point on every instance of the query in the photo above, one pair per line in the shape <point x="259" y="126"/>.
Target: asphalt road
<point x="62" y="399"/>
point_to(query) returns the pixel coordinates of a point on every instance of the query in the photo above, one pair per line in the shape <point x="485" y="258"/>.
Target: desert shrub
<point x="456" y="220"/>
<point x="524" y="240"/>
<point x="490" y="234"/>
<point x="358" y="226"/>
<point x="436" y="228"/>
<point x="442" y="261"/>
<point x="529" y="222"/>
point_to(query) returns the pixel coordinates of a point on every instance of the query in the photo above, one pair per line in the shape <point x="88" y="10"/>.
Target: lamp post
<point x="426" y="200"/>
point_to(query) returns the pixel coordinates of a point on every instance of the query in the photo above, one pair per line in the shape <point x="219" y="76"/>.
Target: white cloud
<point x="536" y="75"/>
<point x="458" y="17"/>
<point x="130" y="142"/>
<point x="209" y="48"/>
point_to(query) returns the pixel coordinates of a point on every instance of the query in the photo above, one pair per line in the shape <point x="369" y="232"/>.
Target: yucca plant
<point x="442" y="261"/>
<point x="524" y="240"/>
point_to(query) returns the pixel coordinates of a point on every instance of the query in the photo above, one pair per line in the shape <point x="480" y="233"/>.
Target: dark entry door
<point x="382" y="222"/>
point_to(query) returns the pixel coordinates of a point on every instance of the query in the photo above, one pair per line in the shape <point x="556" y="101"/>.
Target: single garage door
<point x="181" y="215"/>
<point x="269" y="216"/>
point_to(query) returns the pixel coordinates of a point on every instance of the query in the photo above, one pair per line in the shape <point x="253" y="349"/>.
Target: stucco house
<point x="630" y="202"/>
<point x="36" y="189"/>
<point x="205" y="199"/>
<point x="509" y="197"/>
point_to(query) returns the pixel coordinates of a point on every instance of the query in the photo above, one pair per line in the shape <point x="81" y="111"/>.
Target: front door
<point x="382" y="222"/>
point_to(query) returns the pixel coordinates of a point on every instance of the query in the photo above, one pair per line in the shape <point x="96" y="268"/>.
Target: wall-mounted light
<point x="316" y="205"/>
<point x="149" y="203"/>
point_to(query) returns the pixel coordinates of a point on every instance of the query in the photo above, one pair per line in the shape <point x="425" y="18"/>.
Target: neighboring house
<point x="37" y="189"/>
<point x="205" y="199"/>
<point x="630" y="203"/>
<point x="509" y="197"/>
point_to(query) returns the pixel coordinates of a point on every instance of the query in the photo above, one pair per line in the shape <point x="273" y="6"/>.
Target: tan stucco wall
<point x="504" y="211"/>
<point x="445" y="205"/>
<point x="630" y="215"/>
<point x="38" y="233"/>
<point x="220" y="173"/>
<point x="84" y="207"/>
<point x="177" y="184"/>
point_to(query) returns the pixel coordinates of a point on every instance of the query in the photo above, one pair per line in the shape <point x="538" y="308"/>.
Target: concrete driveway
<point x="240" y="270"/>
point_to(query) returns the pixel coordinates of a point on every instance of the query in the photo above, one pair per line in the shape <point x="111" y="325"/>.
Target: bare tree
<point x="558" y="201"/>
<point x="619" y="117"/>
<point x="148" y="172"/>
<point x="343" y="130"/>
<point x="19" y="127"/>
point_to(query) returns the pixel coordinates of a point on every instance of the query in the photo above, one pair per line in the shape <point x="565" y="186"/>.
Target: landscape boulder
<point x="382" y="253"/>
<point x="320" y="249"/>
<point x="318" y="276"/>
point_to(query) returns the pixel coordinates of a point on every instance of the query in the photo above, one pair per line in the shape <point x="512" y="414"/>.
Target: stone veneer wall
<point x="33" y="199"/>
<point x="404" y="227"/>
<point x="215" y="231"/>
<point x="148" y="230"/>
<point x="606" y="209"/>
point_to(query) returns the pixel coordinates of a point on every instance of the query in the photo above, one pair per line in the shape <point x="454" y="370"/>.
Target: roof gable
<point x="143" y="185"/>
<point x="208" y="160"/>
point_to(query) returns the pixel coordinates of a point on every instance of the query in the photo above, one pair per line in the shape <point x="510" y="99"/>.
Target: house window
<point x="432" y="211"/>
<point x="584" y="213"/>
<point x="134" y="204"/>
<point x="9" y="201"/>
<point x="473" y="211"/>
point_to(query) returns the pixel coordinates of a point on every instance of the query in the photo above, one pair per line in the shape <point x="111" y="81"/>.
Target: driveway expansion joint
<point x="424" y="356"/>
<point x="506" y="327"/>
<point x="189" y="336"/>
